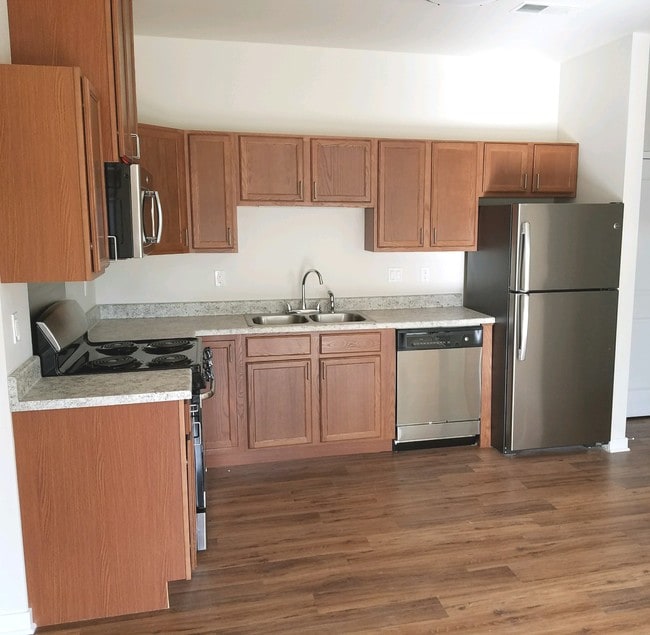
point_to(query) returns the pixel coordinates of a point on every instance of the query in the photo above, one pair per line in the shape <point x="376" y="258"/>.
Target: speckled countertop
<point x="205" y="325"/>
<point x="29" y="391"/>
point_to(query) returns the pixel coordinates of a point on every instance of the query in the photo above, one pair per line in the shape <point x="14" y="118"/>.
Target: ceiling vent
<point x="530" y="8"/>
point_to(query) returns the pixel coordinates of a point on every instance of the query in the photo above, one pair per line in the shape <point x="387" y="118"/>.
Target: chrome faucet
<point x="303" y="306"/>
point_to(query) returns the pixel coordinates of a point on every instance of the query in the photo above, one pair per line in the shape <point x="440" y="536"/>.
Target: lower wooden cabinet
<point x="105" y="508"/>
<point x="300" y="395"/>
<point x="279" y="403"/>
<point x="350" y="401"/>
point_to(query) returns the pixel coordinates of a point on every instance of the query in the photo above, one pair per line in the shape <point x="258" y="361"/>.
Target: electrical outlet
<point x="425" y="274"/>
<point x="218" y="278"/>
<point x="15" y="329"/>
<point x="395" y="274"/>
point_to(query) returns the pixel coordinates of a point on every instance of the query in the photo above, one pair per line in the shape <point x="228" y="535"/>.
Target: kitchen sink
<point x="335" y="318"/>
<point x="279" y="319"/>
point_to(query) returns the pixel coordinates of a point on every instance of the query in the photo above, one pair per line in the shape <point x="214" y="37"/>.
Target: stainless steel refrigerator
<point x="548" y="273"/>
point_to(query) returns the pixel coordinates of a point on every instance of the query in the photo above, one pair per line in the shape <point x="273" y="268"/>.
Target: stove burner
<point x="117" y="348"/>
<point x="163" y="347"/>
<point x="170" y="361"/>
<point x="116" y="362"/>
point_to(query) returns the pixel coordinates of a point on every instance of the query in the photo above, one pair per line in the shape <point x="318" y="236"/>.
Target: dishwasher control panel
<point x="438" y="338"/>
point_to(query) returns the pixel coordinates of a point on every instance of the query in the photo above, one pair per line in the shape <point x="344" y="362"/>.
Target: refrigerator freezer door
<point x="566" y="246"/>
<point x="560" y="384"/>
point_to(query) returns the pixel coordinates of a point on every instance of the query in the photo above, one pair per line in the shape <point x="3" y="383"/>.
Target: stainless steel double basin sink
<point x="289" y="319"/>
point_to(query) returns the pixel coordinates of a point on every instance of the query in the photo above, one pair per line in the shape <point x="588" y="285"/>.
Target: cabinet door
<point x="219" y="412"/>
<point x="52" y="199"/>
<point x="279" y="403"/>
<point x="124" y="64"/>
<point x="341" y="170"/>
<point x="271" y="169"/>
<point x="212" y="192"/>
<point x="402" y="196"/>
<point x="555" y="168"/>
<point x="507" y="168"/>
<point x="95" y="179"/>
<point x="162" y="153"/>
<point x="96" y="36"/>
<point x="454" y="199"/>
<point x="350" y="398"/>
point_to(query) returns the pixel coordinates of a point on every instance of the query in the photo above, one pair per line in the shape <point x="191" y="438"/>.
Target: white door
<point x="638" y="398"/>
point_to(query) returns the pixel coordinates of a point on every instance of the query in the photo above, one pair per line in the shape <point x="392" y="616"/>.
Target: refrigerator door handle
<point x="523" y="306"/>
<point x="524" y="264"/>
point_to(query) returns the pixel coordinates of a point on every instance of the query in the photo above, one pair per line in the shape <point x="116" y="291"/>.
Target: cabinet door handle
<point x="186" y="237"/>
<point x="307" y="371"/>
<point x="322" y="371"/>
<point x="134" y="135"/>
<point x="525" y="185"/>
<point x="421" y="236"/>
<point x="435" y="235"/>
<point x="315" y="191"/>
<point x="299" y="189"/>
<point x="230" y="353"/>
<point x="229" y="236"/>
<point x="537" y="183"/>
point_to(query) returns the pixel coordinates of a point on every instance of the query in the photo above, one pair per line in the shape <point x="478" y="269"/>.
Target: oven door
<point x="199" y="468"/>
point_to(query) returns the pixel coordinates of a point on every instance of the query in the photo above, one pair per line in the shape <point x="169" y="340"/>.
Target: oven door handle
<point x="207" y="394"/>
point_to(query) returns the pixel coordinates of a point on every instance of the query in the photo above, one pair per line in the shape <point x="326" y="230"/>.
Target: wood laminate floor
<point x="455" y="540"/>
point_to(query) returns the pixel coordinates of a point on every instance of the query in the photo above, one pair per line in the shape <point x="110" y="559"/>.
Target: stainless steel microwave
<point x="135" y="216"/>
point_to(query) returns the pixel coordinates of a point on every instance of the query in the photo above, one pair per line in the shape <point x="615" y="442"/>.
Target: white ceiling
<point x="565" y="29"/>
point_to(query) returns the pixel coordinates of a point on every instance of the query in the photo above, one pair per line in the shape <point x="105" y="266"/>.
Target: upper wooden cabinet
<point x="52" y="196"/>
<point x="402" y="198"/>
<point x="427" y="197"/>
<point x="212" y="192"/>
<point x="454" y="199"/>
<point x="283" y="170"/>
<point x="163" y="155"/>
<point x="530" y="168"/>
<point x="271" y="169"/>
<point x="342" y="170"/>
<point x="97" y="36"/>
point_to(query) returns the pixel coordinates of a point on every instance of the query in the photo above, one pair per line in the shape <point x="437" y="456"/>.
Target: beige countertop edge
<point x="81" y="391"/>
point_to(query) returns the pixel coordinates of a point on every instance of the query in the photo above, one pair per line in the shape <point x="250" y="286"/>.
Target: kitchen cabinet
<point x="212" y="191"/>
<point x="220" y="411"/>
<point x="162" y="153"/>
<point x="427" y="197"/>
<point x="350" y="398"/>
<point x="530" y="169"/>
<point x="97" y="36"/>
<point x="454" y="195"/>
<point x="342" y="171"/>
<point x="279" y="402"/>
<point x="306" y="394"/>
<point x="53" y="199"/>
<point x="272" y="169"/>
<point x="286" y="170"/>
<point x="104" y="508"/>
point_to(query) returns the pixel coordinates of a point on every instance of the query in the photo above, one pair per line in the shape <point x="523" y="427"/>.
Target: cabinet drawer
<point x="350" y="343"/>
<point x="278" y="346"/>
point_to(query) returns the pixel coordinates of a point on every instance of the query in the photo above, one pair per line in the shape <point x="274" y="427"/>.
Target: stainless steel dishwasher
<point x="438" y="383"/>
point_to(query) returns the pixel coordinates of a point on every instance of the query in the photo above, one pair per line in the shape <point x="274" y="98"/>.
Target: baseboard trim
<point x="617" y="445"/>
<point x="17" y="623"/>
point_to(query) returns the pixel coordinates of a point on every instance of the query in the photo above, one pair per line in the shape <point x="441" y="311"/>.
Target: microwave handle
<point x="155" y="215"/>
<point x="160" y="217"/>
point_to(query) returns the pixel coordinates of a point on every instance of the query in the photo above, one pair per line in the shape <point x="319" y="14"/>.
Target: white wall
<point x="603" y="104"/>
<point x="269" y="88"/>
<point x="15" y="615"/>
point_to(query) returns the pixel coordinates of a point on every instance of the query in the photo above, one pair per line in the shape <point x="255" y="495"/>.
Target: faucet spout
<point x="303" y="306"/>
